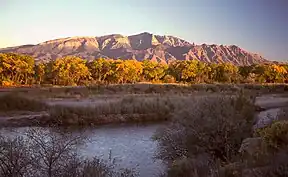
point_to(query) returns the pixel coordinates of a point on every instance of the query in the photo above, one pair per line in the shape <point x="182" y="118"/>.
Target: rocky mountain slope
<point x="139" y="47"/>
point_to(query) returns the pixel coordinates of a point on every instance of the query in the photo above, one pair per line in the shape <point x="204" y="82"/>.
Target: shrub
<point x="272" y="157"/>
<point x="201" y="165"/>
<point x="276" y="135"/>
<point x="225" y="122"/>
<point x="52" y="154"/>
<point x="15" y="157"/>
<point x="214" y="126"/>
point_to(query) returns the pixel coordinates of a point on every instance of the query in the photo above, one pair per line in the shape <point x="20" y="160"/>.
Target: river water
<point x="130" y="145"/>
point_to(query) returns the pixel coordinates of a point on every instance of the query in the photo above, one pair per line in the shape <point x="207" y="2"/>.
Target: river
<point x="130" y="145"/>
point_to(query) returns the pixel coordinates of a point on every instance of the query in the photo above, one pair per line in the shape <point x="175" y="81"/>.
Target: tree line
<point x="16" y="69"/>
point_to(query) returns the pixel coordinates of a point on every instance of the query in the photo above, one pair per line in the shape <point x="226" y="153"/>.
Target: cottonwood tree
<point x="21" y="70"/>
<point x="153" y="71"/>
<point x="16" y="69"/>
<point x="100" y="69"/>
<point x="69" y="71"/>
<point x="39" y="71"/>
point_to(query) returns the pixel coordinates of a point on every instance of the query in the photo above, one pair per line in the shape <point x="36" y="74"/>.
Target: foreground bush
<point x="42" y="153"/>
<point x="271" y="158"/>
<point x="276" y="135"/>
<point x="268" y="158"/>
<point x="210" y="130"/>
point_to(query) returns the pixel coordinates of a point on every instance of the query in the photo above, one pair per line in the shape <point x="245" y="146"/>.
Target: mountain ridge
<point x="138" y="46"/>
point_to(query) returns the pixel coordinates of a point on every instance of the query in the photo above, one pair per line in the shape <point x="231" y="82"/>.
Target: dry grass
<point x="147" y="102"/>
<point x="13" y="102"/>
<point x="120" y="109"/>
<point x="128" y="109"/>
<point x="142" y="88"/>
<point x="266" y="88"/>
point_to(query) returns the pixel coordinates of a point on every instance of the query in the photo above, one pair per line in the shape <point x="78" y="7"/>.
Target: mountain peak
<point x="139" y="46"/>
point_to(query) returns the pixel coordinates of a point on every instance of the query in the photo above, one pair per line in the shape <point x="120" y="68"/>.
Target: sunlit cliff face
<point x="140" y="46"/>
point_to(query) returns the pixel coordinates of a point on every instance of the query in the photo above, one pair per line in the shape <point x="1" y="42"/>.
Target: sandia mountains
<point x="141" y="46"/>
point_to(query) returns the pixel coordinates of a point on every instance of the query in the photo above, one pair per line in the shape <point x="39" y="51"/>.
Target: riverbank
<point x="112" y="90"/>
<point x="113" y="104"/>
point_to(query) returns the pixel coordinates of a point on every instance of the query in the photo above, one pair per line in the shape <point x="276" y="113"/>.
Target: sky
<point x="259" y="26"/>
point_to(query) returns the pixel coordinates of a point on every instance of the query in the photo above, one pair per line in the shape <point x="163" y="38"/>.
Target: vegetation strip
<point x="18" y="69"/>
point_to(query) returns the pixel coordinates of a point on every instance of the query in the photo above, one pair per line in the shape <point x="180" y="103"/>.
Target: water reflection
<point x="130" y="145"/>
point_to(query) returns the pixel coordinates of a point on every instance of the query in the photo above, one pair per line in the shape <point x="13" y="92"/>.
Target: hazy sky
<point x="259" y="26"/>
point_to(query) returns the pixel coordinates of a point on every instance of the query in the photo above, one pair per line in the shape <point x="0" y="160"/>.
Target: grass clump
<point x="14" y="102"/>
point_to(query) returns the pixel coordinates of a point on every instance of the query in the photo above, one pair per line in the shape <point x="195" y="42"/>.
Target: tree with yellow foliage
<point x="69" y="71"/>
<point x="153" y="71"/>
<point x="16" y="69"/>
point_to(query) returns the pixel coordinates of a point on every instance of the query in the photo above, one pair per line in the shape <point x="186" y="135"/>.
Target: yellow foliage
<point x="279" y="69"/>
<point x="8" y="83"/>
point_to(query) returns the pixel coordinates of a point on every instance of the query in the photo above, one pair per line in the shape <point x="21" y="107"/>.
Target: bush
<point x="272" y="157"/>
<point x="198" y="166"/>
<point x="52" y="154"/>
<point x="15" y="157"/>
<point x="213" y="126"/>
<point x="276" y="135"/>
